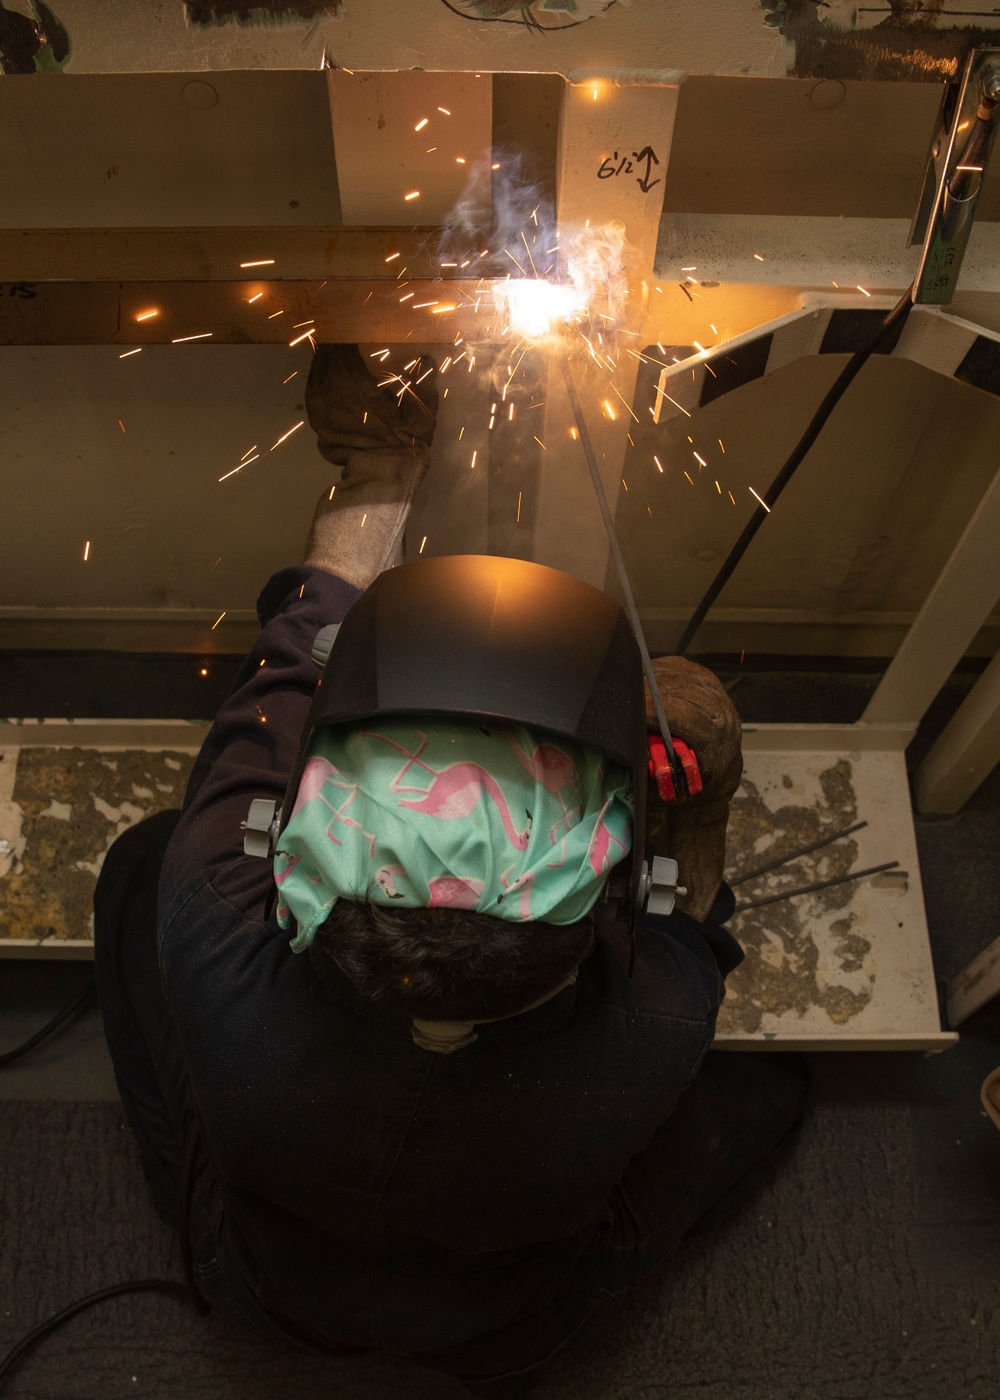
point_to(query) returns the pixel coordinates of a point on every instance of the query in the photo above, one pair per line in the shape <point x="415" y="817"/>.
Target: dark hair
<point x="447" y="964"/>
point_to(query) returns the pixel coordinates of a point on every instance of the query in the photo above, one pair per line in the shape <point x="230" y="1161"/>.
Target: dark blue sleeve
<point x="714" y="949"/>
<point x="250" y="749"/>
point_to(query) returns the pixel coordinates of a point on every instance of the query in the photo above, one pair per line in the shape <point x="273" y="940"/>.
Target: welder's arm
<point x="383" y="446"/>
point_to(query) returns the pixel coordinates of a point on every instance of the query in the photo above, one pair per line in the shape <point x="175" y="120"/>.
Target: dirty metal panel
<point x="844" y="966"/>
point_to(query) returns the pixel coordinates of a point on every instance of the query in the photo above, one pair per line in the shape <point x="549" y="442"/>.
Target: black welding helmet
<point x="479" y="637"/>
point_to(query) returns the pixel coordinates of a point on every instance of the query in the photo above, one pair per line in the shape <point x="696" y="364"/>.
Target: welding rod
<point x="609" y="525"/>
<point x="820" y="885"/>
<point x="794" y="855"/>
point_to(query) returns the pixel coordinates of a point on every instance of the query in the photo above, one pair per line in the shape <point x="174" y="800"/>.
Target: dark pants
<point x="742" y="1113"/>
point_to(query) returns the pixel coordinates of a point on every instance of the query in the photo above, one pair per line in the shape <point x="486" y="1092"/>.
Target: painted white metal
<point x="896" y="975"/>
<point x="810" y="251"/>
<point x="975" y="985"/>
<point x="966" y="752"/>
<point x="382" y="156"/>
<point x="957" y="606"/>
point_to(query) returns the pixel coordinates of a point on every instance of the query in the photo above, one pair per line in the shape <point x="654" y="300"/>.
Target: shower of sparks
<point x="130" y="352"/>
<point x="240" y="467"/>
<point x="217" y="621"/>
<point x="257" y="297"/>
<point x="759" y="498"/>
<point x="146" y="315"/>
<point x="181" y="338"/>
<point x="287" y="435"/>
<point x="291" y="376"/>
<point x="86" y="551"/>
<point x="657" y="461"/>
<point x="422" y="543"/>
<point x="260" y="262"/>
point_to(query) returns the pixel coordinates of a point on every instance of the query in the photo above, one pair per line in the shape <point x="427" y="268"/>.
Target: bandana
<point x="493" y="818"/>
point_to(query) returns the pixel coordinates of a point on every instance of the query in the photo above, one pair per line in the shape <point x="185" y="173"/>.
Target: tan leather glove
<point x="382" y="440"/>
<point x="692" y="830"/>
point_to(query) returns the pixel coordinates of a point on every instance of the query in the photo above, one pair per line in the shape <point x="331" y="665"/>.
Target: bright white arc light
<point x="533" y="304"/>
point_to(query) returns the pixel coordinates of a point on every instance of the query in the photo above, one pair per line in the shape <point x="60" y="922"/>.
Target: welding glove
<point x="692" y="830"/>
<point x="381" y="437"/>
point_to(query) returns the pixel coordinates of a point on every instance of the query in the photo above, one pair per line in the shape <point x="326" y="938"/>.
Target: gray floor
<point x="867" y="1268"/>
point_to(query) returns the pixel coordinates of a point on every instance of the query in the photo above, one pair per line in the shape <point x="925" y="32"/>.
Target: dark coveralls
<point x="349" y="1190"/>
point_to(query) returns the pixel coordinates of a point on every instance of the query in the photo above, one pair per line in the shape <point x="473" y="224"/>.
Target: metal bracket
<point x="260" y="830"/>
<point x="658" y="888"/>
<point x="323" y="644"/>
<point x="959" y="168"/>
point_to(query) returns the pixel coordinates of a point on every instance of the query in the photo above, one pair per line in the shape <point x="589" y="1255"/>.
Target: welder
<point x="430" y="1079"/>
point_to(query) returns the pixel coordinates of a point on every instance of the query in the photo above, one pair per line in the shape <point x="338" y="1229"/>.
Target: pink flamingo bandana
<point x="494" y="818"/>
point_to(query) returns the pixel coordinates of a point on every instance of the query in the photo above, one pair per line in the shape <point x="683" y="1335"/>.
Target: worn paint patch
<point x="48" y="889"/>
<point x="784" y="971"/>
<point x="259" y="11"/>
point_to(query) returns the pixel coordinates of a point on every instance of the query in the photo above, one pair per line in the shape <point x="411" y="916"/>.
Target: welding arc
<point x="896" y="317"/>
<point x="819" y="885"/>
<point x="609" y="525"/>
<point x="794" y="855"/>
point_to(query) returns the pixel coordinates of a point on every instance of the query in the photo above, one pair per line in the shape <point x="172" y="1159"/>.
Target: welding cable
<point x="896" y="318"/>
<point x="64" y="1015"/>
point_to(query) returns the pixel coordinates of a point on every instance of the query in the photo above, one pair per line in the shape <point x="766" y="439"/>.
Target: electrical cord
<point x="896" y="317"/>
<point x="186" y="1290"/>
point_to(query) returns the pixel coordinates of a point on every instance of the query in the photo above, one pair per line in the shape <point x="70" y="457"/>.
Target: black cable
<point x="64" y="1015"/>
<point x="896" y="316"/>
<point x="187" y="1290"/>
<point x="151" y="1285"/>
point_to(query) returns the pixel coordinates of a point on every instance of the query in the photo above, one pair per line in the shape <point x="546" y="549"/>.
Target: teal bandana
<point x="454" y="815"/>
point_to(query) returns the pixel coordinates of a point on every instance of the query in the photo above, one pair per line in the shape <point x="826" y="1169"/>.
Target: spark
<point x="760" y="498"/>
<point x="573" y="434"/>
<point x="673" y="401"/>
<point x="861" y="289"/>
<point x="723" y="448"/>
<point x="657" y="461"/>
<point x="742" y="654"/>
<point x="510" y="414"/>
<point x="712" y="328"/>
<point x="731" y="497"/>
<point x="382" y="354"/>
<point x="649" y="512"/>
<point x="690" y="478"/>
<point x="460" y="160"/>
<point x="204" y="671"/>
<point x="540" y="443"/>
<point x="302" y="590"/>
<point x="414" y="194"/>
<point x="260" y="262"/>
<point x="121" y="425"/>
<point x="515" y="261"/>
<point x="421" y="123"/>
<point x="264" y="658"/>
<point x="407" y="297"/>
<point x="701" y="459"/>
<point x="460" y="432"/>
<point x="363" y="519"/>
<point x="181" y="338"/>
<point x="146" y="315"/>
<point x="332" y="489"/>
<point x="718" y="488"/>
<point x="299" y="339"/>
<point x="310" y="322"/>
<point x="422" y="543"/>
<point x="216" y="564"/>
<point x="86" y="551"/>
<point x="248" y="451"/>
<point x="625" y="483"/>
<point x="978" y="168"/>
<point x="473" y="462"/>
<point x="445" y="111"/>
<point x="287" y="435"/>
<point x="410" y="365"/>
<point x="624" y="401"/>
<point x="608" y="410"/>
<point x="447" y="362"/>
<point x="400" y="274"/>
<point x="495" y="166"/>
<point x="758" y="257"/>
<point x="130" y="352"/>
<point x="239" y="468"/>
<point x="528" y="251"/>
<point x="439" y="310"/>
<point x="518" y="520"/>
<point x="692" y="268"/>
<point x="218" y="620"/>
<point x="291" y="376"/>
<point x="392" y="256"/>
<point x="418" y="304"/>
<point x="698" y="346"/>
<point x="276" y="313"/>
<point x="257" y="297"/>
<point x="364" y="418"/>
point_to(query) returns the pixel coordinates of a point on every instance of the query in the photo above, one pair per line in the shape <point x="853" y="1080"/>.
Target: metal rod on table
<point x="609" y="525"/>
<point x="794" y="855"/>
<point x="820" y="885"/>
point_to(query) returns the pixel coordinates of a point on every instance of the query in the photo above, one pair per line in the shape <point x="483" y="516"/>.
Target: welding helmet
<point x="478" y="637"/>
